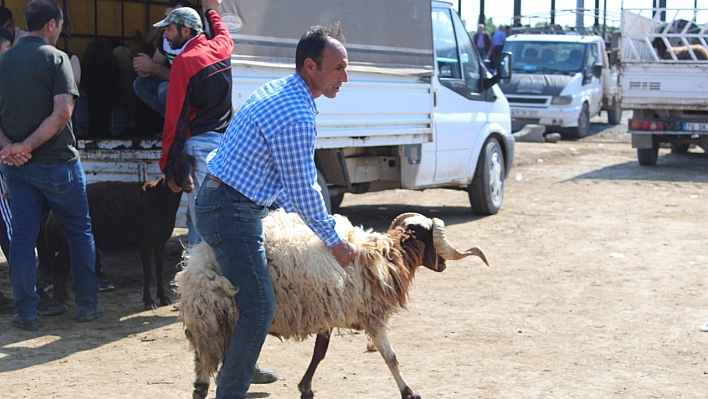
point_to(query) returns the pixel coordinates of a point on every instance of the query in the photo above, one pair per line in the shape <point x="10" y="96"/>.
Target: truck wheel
<point x="325" y="192"/>
<point x="648" y="156"/>
<point x="486" y="191"/>
<point x="614" y="115"/>
<point x="583" y="128"/>
<point x="679" y="148"/>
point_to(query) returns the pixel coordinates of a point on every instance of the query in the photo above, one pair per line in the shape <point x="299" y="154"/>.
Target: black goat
<point x="126" y="214"/>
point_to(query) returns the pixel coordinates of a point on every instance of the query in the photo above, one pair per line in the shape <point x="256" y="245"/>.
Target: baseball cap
<point x="185" y="16"/>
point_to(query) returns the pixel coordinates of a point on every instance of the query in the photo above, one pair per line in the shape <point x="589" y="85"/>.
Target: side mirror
<point x="503" y="73"/>
<point x="597" y="71"/>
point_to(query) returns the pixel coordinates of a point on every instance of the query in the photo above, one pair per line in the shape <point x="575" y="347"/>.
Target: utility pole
<point x="579" y="14"/>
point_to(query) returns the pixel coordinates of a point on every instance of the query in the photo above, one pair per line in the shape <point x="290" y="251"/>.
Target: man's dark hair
<point x="175" y="3"/>
<point x="39" y="12"/>
<point x="5" y="15"/>
<point x="312" y="43"/>
<point x="5" y="36"/>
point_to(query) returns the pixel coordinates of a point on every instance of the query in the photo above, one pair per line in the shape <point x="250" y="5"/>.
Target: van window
<point x="458" y="66"/>
<point x="546" y="57"/>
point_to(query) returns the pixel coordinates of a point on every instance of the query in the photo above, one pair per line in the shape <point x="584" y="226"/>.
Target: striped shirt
<point x="269" y="148"/>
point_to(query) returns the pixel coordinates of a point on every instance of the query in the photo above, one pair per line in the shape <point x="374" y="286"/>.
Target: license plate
<point x="695" y="127"/>
<point x="524" y="112"/>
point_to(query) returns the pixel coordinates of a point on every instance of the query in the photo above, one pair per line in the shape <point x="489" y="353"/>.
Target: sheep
<point x="313" y="293"/>
<point x="125" y="214"/>
<point x="682" y="52"/>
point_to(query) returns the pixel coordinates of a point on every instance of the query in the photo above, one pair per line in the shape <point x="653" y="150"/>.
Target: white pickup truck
<point x="561" y="81"/>
<point x="419" y="110"/>
<point x="669" y="95"/>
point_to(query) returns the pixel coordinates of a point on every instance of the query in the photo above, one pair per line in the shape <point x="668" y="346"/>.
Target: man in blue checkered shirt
<point x="267" y="153"/>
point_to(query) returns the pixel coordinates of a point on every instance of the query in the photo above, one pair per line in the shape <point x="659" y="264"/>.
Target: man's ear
<point x="310" y="65"/>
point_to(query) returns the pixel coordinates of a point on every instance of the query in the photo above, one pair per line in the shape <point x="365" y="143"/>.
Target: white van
<point x="561" y="81"/>
<point x="419" y="110"/>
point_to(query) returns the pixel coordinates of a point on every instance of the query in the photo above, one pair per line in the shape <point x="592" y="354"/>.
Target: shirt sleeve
<point x="64" y="82"/>
<point x="177" y="109"/>
<point x="293" y="151"/>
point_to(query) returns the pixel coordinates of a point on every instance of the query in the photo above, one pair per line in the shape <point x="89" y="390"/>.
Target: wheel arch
<point x="506" y="141"/>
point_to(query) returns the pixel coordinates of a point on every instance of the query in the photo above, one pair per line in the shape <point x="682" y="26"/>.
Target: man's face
<point x="327" y="79"/>
<point x="4" y="46"/>
<point x="10" y="26"/>
<point x="174" y="36"/>
<point x="480" y="29"/>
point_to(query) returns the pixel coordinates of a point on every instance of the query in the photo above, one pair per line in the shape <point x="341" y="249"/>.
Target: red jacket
<point x="199" y="93"/>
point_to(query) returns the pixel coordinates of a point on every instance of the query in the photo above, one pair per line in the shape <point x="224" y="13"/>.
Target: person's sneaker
<point x="49" y="307"/>
<point x="264" y="376"/>
<point x="5" y="302"/>
<point x="88" y="315"/>
<point x="104" y="283"/>
<point x="704" y="327"/>
<point x="29" y="325"/>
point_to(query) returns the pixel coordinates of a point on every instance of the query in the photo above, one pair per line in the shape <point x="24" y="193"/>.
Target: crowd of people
<point x="261" y="156"/>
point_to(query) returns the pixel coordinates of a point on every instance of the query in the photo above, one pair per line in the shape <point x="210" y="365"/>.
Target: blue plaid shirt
<point x="267" y="153"/>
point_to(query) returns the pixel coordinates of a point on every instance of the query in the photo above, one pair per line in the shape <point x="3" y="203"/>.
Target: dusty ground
<point x="596" y="290"/>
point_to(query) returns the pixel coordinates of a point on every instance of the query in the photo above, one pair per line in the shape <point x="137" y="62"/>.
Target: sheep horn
<point x="446" y="250"/>
<point x="398" y="221"/>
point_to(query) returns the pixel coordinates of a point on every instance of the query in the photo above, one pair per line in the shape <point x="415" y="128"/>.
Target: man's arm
<point x="53" y="124"/>
<point x="156" y="66"/>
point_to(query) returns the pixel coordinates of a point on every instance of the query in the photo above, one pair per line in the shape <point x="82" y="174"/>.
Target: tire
<point x="336" y="201"/>
<point x="614" y="115"/>
<point x="325" y="192"/>
<point x="583" y="128"/>
<point x="648" y="156"/>
<point x="486" y="192"/>
<point x="679" y="148"/>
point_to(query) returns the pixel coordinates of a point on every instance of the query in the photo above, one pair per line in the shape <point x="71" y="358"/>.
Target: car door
<point x="595" y="86"/>
<point x="459" y="105"/>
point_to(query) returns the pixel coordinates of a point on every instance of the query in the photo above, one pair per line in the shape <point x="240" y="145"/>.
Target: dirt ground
<point x="596" y="290"/>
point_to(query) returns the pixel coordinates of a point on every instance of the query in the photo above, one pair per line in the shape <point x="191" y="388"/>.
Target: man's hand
<point x="344" y="252"/>
<point x="15" y="155"/>
<point x="173" y="186"/>
<point x="213" y="4"/>
<point x="143" y="65"/>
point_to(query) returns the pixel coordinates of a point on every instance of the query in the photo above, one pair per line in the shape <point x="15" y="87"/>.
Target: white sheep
<point x="314" y="294"/>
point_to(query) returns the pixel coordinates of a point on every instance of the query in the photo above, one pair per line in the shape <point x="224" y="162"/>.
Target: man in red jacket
<point x="199" y="105"/>
<point x="199" y="93"/>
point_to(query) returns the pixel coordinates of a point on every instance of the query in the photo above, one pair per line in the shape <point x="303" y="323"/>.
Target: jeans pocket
<point x="207" y="222"/>
<point x="59" y="179"/>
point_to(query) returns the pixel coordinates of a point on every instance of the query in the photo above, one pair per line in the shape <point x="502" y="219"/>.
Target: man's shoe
<point x="88" y="315"/>
<point x="29" y="325"/>
<point x="104" y="283"/>
<point x="704" y="327"/>
<point x="5" y="302"/>
<point x="49" y="307"/>
<point x="264" y="376"/>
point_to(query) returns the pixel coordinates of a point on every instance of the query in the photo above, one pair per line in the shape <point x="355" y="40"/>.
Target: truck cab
<point x="560" y="81"/>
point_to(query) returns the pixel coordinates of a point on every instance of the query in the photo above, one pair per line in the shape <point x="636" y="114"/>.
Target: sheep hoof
<point x="408" y="393"/>
<point x="164" y="301"/>
<point x="150" y="305"/>
<point x="307" y="395"/>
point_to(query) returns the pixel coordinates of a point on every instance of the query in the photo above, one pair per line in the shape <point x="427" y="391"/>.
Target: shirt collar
<point x="302" y="86"/>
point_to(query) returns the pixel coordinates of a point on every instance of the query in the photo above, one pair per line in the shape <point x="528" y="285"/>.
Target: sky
<point x="503" y="10"/>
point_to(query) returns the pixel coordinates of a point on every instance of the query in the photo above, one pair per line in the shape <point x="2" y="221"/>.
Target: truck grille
<point x="542" y="101"/>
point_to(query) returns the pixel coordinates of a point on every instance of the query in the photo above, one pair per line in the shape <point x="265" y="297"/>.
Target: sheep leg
<point x="321" y="345"/>
<point x="147" y="276"/>
<point x="201" y="369"/>
<point x="159" y="272"/>
<point x="381" y="341"/>
<point x="61" y="267"/>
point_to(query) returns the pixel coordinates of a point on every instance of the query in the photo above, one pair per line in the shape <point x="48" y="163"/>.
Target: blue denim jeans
<point x="153" y="92"/>
<point x="231" y="224"/>
<point x="64" y="186"/>
<point x="199" y="147"/>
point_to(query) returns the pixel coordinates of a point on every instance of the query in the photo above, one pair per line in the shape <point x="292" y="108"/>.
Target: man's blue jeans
<point x="231" y="224"/>
<point x="64" y="186"/>
<point x="199" y="147"/>
<point x="153" y="92"/>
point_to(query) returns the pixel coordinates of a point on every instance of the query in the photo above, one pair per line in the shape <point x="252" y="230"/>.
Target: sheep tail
<point x="207" y="309"/>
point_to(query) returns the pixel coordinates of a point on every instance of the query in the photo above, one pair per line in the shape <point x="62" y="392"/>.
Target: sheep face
<point x="183" y="172"/>
<point x="423" y="236"/>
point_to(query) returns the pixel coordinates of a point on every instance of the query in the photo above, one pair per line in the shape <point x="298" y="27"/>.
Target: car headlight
<point x="562" y="100"/>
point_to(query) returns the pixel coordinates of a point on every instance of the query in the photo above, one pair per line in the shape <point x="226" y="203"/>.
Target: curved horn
<point x="446" y="250"/>
<point x="398" y="221"/>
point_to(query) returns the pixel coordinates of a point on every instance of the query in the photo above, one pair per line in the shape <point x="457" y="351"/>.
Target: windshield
<point x="546" y="57"/>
